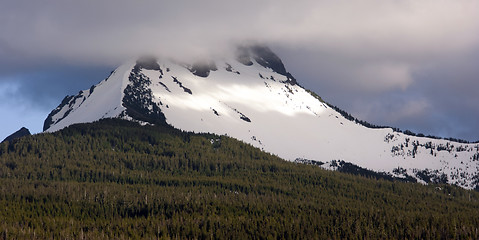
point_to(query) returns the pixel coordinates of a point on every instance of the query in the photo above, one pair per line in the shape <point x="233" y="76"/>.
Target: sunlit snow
<point x="284" y="120"/>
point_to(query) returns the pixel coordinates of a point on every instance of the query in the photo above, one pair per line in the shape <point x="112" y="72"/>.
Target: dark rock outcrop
<point x="264" y="57"/>
<point x="138" y="101"/>
<point x="18" y="134"/>
<point x="49" y="120"/>
<point x="148" y="63"/>
<point x="202" y="69"/>
<point x="243" y="56"/>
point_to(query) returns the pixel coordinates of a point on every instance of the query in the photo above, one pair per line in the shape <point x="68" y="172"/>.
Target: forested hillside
<point x="117" y="179"/>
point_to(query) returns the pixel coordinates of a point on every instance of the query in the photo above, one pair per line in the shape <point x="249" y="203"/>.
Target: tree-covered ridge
<point x="116" y="179"/>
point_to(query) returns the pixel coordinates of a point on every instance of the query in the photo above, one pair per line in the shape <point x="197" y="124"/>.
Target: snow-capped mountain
<point x="252" y="97"/>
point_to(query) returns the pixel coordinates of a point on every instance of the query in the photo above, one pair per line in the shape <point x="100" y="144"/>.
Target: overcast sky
<point x="410" y="64"/>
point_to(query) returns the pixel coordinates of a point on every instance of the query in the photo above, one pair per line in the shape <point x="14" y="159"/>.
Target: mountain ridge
<point x="252" y="97"/>
<point x="116" y="179"/>
<point x="18" y="134"/>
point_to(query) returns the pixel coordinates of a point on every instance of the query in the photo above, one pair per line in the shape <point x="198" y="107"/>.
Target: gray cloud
<point x="92" y="30"/>
<point x="406" y="63"/>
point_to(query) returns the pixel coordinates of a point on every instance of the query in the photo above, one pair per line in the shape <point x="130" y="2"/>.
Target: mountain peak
<point x="263" y="56"/>
<point x="148" y="63"/>
<point x="251" y="96"/>
<point x="18" y="134"/>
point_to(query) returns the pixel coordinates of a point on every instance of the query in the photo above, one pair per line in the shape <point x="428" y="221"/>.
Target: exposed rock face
<point x="49" y="121"/>
<point x="264" y="57"/>
<point x="18" y="134"/>
<point x="202" y="69"/>
<point x="138" y="98"/>
<point x="148" y="63"/>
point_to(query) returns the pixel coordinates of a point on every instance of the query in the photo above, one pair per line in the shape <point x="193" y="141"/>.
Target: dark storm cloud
<point x="43" y="87"/>
<point x="410" y="64"/>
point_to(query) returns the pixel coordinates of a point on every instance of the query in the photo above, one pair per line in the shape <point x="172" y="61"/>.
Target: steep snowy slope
<point x="100" y="101"/>
<point x="253" y="98"/>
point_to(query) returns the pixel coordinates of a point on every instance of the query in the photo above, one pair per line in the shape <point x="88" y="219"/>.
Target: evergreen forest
<point x="115" y="179"/>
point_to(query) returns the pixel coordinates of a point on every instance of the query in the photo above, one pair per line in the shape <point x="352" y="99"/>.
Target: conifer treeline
<point x="116" y="179"/>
